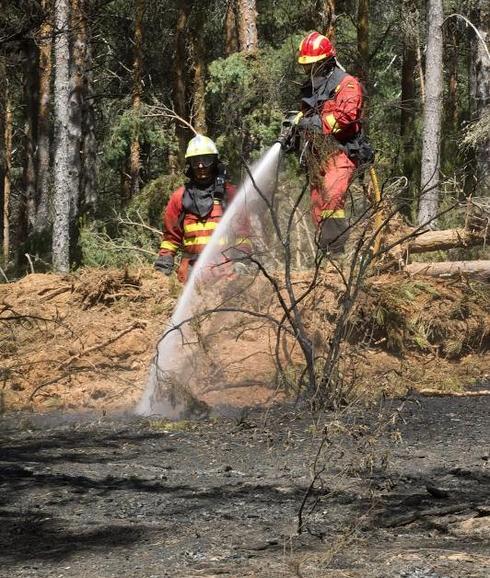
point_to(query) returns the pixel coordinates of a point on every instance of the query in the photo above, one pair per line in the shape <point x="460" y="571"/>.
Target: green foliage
<point x="132" y="246"/>
<point x="250" y="96"/>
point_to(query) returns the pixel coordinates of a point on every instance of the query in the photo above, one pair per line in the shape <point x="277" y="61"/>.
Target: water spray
<point x="178" y="343"/>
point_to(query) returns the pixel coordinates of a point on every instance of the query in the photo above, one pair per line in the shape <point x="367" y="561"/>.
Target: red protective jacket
<point x="333" y="105"/>
<point x="186" y="232"/>
<point x="338" y="103"/>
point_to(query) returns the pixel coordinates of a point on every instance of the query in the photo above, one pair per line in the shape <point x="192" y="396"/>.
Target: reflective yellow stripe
<point x="193" y="227"/>
<point x="203" y="241"/>
<point x="168" y="246"/>
<point x="332" y="122"/>
<point x="333" y="214"/>
<point x="197" y="241"/>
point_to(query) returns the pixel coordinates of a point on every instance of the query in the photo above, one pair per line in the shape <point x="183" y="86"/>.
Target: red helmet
<point x="315" y="47"/>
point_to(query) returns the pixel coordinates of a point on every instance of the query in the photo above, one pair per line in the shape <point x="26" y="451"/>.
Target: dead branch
<point x="135" y="325"/>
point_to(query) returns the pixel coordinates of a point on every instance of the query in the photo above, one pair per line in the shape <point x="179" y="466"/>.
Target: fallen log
<point x="439" y="393"/>
<point x="446" y="239"/>
<point x="479" y="269"/>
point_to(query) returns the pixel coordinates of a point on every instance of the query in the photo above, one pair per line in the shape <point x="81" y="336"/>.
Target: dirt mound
<point x="86" y="340"/>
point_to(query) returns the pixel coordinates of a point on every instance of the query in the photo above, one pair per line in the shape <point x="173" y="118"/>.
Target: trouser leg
<point x="328" y="202"/>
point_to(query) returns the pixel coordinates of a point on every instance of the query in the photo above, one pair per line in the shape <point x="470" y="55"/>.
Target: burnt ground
<point x="400" y="491"/>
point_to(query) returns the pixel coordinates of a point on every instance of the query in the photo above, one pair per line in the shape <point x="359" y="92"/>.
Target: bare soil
<point x="85" y="341"/>
<point x="402" y="490"/>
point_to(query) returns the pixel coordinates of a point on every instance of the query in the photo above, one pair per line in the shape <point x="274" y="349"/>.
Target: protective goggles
<point x="205" y="161"/>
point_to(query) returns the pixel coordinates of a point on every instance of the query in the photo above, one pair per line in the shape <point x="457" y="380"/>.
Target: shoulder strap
<point x="325" y="89"/>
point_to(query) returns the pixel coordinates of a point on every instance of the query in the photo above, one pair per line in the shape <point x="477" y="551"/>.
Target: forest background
<point x="93" y="95"/>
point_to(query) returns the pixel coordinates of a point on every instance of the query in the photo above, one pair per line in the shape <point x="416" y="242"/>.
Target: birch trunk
<point x="429" y="186"/>
<point x="64" y="172"/>
<point x="43" y="158"/>
<point x="247" y="26"/>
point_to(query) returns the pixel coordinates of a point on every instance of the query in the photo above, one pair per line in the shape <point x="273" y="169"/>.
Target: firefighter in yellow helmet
<point x="195" y="209"/>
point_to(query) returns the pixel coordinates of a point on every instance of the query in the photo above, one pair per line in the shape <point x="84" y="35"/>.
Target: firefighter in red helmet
<point x="195" y="210"/>
<point x="331" y="104"/>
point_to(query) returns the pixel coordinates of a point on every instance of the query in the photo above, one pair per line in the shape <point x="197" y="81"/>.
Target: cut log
<point x="478" y="269"/>
<point x="446" y="239"/>
<point x="439" y="393"/>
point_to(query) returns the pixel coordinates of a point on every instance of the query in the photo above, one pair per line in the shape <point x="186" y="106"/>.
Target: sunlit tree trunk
<point x="7" y="143"/>
<point x="64" y="172"/>
<point x="231" y="33"/>
<point x="135" y="155"/>
<point x="45" y="43"/>
<point x="429" y="186"/>
<point x="247" y="25"/>
<point x="179" y="75"/>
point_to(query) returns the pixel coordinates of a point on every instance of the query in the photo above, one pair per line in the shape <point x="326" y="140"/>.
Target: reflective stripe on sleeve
<point x="169" y="246"/>
<point x="333" y="214"/>
<point x="332" y="122"/>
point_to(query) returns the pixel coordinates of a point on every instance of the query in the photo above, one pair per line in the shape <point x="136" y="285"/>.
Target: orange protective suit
<point x="189" y="233"/>
<point x="332" y="106"/>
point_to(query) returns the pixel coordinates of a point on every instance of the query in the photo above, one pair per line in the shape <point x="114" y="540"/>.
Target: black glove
<point x="165" y="264"/>
<point x="311" y="123"/>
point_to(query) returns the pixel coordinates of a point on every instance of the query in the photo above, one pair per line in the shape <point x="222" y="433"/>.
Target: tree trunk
<point x="8" y="131"/>
<point x="179" y="75"/>
<point x="328" y="19"/>
<point x="199" y="104"/>
<point x="88" y="185"/>
<point x="64" y="172"/>
<point x="77" y="70"/>
<point x="408" y="102"/>
<point x="478" y="269"/>
<point x="135" y="156"/>
<point x="429" y="187"/>
<point x="31" y="83"/>
<point x="231" y="34"/>
<point x="45" y="43"/>
<point x="446" y="239"/>
<point x="247" y="26"/>
<point x="480" y="94"/>
<point x="363" y="41"/>
<point x="453" y="57"/>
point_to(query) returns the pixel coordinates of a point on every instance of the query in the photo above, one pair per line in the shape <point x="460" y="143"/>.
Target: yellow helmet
<point x="200" y="145"/>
